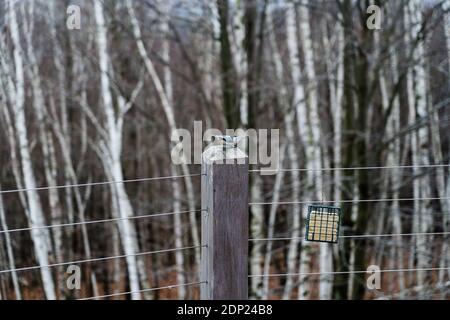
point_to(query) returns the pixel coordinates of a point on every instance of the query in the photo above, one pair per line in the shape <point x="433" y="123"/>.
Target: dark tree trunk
<point x="230" y="101"/>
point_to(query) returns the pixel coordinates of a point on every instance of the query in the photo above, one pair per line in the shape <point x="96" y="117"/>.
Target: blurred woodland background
<point x="99" y="104"/>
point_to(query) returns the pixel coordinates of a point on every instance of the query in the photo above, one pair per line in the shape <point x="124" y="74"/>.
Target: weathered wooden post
<point x="224" y="223"/>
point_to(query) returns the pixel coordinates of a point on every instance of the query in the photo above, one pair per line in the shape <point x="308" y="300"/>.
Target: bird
<point x="228" y="141"/>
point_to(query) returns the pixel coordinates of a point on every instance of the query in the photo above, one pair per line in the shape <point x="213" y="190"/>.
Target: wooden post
<point x="224" y="224"/>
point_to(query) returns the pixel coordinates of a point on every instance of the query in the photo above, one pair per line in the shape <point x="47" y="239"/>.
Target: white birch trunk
<point x="256" y="231"/>
<point x="240" y="58"/>
<point x="8" y="91"/>
<point x="417" y="106"/>
<point x="314" y="121"/>
<point x="40" y="237"/>
<point x="336" y="92"/>
<point x="9" y="250"/>
<point x="114" y="148"/>
<point x="446" y="8"/>
<point x="271" y="225"/>
<point x="176" y="188"/>
<point x="292" y="153"/>
<point x="293" y="161"/>
<point x="45" y="138"/>
<point x="169" y="113"/>
<point x="177" y="226"/>
<point x="211" y="81"/>
<point x="397" y="159"/>
<point x="299" y="103"/>
<point x="296" y="208"/>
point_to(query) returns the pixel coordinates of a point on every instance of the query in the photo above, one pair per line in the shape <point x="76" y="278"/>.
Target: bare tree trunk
<point x="176" y="188"/>
<point x="169" y="113"/>
<point x="446" y="8"/>
<point x="441" y="187"/>
<point x="256" y="231"/>
<point x="316" y="156"/>
<point x="46" y="140"/>
<point x="299" y="104"/>
<point x="343" y="258"/>
<point x="112" y="152"/>
<point x="255" y="56"/>
<point x="9" y="250"/>
<point x="417" y="96"/>
<point x="394" y="159"/>
<point x="41" y="239"/>
<point x="292" y="42"/>
<point x="240" y="60"/>
<point x="271" y="225"/>
<point x="177" y="224"/>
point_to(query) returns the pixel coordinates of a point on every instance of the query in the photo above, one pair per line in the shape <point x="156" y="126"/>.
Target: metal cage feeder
<point x="322" y="223"/>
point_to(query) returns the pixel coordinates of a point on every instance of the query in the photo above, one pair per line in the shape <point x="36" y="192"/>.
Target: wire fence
<point x="98" y="259"/>
<point x="352" y="168"/>
<point x="344" y="272"/>
<point x="144" y="290"/>
<point x="347" y="201"/>
<point x="169" y="250"/>
<point x="87" y="184"/>
<point x="154" y="215"/>
<point x="358" y="236"/>
<point x="101" y="183"/>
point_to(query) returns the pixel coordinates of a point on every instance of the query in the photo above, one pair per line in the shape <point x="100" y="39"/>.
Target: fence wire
<point x="345" y="272"/>
<point x="98" y="259"/>
<point x="79" y="185"/>
<point x="357" y="236"/>
<point x="143" y="290"/>
<point x="154" y="215"/>
<point x="345" y="201"/>
<point x="352" y="168"/>
<point x="250" y="240"/>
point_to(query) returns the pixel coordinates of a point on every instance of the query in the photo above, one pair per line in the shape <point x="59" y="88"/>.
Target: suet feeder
<point x="322" y="224"/>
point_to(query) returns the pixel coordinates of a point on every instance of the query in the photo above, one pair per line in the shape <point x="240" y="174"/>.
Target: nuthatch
<point x="228" y="141"/>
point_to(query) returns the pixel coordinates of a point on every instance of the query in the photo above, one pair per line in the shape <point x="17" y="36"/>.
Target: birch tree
<point x="44" y="134"/>
<point x="314" y="123"/>
<point x="170" y="116"/>
<point x="334" y="70"/>
<point x="417" y="97"/>
<point x="16" y="92"/>
<point x="240" y="58"/>
<point x="446" y="8"/>
<point x="297" y="100"/>
<point x="9" y="250"/>
<point x="111" y="148"/>
<point x="175" y="182"/>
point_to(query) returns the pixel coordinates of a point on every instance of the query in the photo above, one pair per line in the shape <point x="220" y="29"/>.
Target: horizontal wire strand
<point x="98" y="259"/>
<point x="143" y="290"/>
<point x="78" y="185"/>
<point x="356" y="236"/>
<point x="344" y="272"/>
<point x="199" y="174"/>
<point x="345" y="201"/>
<point x="352" y="168"/>
<point x="100" y="221"/>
